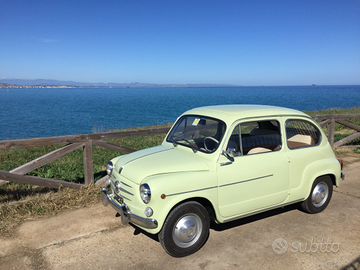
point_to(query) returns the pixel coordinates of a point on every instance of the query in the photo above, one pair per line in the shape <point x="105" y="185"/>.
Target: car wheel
<point x="185" y="230"/>
<point x="320" y="195"/>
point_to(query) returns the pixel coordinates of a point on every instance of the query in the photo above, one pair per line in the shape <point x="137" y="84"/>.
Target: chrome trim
<point x="342" y="176"/>
<point x="121" y="189"/>
<point x="190" y="191"/>
<point x="257" y="178"/>
<point x="226" y="163"/>
<point x="126" y="198"/>
<point x="126" y="184"/>
<point x="112" y="181"/>
<point x="124" y="211"/>
<point x="264" y="210"/>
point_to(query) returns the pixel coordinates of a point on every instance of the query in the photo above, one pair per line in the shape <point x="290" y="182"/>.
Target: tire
<point x="320" y="195"/>
<point x="185" y="230"/>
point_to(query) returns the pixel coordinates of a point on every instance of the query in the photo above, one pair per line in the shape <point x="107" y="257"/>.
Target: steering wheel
<point x="212" y="139"/>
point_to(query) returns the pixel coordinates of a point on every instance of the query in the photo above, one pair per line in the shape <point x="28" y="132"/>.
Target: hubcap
<point x="320" y="194"/>
<point x="187" y="230"/>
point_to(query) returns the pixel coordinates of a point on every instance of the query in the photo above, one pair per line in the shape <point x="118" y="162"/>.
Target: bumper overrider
<point x="124" y="211"/>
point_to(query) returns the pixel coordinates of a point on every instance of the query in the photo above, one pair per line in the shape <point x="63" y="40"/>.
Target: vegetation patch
<point x="40" y="204"/>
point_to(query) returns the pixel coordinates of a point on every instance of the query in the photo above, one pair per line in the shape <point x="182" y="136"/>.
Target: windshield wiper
<point x="175" y="143"/>
<point x="192" y="147"/>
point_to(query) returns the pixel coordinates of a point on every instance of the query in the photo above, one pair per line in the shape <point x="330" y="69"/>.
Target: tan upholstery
<point x="300" y="140"/>
<point x="258" y="150"/>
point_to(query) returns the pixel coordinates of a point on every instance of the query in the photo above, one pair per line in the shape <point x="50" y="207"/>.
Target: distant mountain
<point x="43" y="82"/>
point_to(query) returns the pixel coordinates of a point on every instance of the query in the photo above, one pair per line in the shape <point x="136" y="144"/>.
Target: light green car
<point x="221" y="163"/>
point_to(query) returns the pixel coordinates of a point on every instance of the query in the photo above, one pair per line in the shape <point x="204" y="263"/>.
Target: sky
<point x="250" y="43"/>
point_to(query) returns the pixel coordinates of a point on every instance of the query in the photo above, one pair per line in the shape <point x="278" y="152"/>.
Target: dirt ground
<point x="92" y="238"/>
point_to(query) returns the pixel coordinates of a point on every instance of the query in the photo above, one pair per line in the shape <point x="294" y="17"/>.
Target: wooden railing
<point x="86" y="141"/>
<point x="331" y="119"/>
<point x="72" y="143"/>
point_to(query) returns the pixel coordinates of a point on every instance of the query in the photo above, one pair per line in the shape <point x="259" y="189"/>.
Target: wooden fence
<point x="72" y="142"/>
<point x="331" y="119"/>
<point x="86" y="141"/>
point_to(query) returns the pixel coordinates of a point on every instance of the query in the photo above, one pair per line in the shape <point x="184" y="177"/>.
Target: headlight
<point x="109" y="167"/>
<point x="145" y="193"/>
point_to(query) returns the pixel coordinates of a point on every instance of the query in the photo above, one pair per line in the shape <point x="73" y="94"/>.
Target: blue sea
<point x="44" y="112"/>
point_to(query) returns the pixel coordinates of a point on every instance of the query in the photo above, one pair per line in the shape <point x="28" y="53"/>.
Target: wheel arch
<point x="201" y="200"/>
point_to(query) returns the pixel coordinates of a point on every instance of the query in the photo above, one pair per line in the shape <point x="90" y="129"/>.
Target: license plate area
<point x="118" y="199"/>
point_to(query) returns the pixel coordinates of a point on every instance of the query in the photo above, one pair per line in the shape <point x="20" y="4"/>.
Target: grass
<point x="42" y="204"/>
<point x="19" y="202"/>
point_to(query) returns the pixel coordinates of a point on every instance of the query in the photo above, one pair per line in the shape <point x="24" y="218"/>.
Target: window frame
<point x="311" y="124"/>
<point x="240" y="135"/>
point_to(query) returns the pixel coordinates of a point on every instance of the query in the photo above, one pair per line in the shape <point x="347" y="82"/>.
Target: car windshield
<point x="197" y="132"/>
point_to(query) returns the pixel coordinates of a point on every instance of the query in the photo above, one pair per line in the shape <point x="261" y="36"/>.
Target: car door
<point x="303" y="140"/>
<point x="258" y="176"/>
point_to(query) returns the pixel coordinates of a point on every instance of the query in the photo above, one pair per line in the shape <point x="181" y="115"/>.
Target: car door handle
<point x="225" y="163"/>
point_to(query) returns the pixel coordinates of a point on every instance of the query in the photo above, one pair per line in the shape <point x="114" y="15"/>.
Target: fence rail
<point x="331" y="119"/>
<point x="86" y="141"/>
<point x="72" y="143"/>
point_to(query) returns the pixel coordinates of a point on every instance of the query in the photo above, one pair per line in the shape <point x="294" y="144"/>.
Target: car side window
<point x="301" y="133"/>
<point x="255" y="137"/>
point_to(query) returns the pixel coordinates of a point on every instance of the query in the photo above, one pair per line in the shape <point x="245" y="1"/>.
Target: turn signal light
<point x="341" y="163"/>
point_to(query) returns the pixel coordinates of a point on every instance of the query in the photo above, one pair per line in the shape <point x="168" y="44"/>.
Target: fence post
<point x="331" y="132"/>
<point x="88" y="163"/>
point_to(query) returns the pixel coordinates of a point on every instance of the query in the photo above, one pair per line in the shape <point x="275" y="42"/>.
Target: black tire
<point x="320" y="195"/>
<point x="185" y="230"/>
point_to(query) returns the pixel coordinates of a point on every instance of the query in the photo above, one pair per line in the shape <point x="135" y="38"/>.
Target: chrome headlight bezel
<point x="145" y="193"/>
<point x="109" y="167"/>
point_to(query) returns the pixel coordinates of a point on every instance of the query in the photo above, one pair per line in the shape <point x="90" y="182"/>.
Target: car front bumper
<point x="124" y="211"/>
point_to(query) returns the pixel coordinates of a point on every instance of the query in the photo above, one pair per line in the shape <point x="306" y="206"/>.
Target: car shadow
<point x="232" y="224"/>
<point x="140" y="231"/>
<point x="253" y="218"/>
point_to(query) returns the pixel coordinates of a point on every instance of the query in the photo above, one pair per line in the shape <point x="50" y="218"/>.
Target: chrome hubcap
<point x="187" y="230"/>
<point x="320" y="194"/>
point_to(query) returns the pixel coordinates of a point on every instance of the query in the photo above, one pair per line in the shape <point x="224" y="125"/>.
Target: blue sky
<point x="289" y="42"/>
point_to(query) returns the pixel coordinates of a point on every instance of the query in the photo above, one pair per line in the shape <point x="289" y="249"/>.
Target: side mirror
<point x="229" y="154"/>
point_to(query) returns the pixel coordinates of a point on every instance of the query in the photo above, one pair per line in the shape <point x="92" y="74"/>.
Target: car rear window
<point x="301" y="133"/>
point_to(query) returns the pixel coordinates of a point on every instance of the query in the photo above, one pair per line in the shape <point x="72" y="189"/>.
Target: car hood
<point x="158" y="160"/>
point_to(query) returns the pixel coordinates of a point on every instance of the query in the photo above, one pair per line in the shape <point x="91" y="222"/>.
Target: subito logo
<point x="280" y="246"/>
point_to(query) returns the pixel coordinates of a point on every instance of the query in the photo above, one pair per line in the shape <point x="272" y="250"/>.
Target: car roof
<point x="234" y="112"/>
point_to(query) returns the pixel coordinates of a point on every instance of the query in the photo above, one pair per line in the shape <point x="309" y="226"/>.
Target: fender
<point x="312" y="172"/>
<point x="168" y="190"/>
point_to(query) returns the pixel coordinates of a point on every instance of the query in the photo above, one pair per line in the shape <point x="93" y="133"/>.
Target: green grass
<point x="33" y="202"/>
<point x="69" y="167"/>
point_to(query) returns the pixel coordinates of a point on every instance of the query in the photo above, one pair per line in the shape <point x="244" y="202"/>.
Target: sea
<point x="45" y="112"/>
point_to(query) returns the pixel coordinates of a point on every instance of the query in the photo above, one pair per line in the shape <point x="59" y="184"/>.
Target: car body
<point x="222" y="163"/>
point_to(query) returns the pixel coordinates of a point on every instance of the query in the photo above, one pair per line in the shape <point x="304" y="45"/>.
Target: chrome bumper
<point x="126" y="215"/>
<point x="342" y="176"/>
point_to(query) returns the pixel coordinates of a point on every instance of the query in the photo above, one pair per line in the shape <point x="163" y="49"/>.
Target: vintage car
<point x="221" y="163"/>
